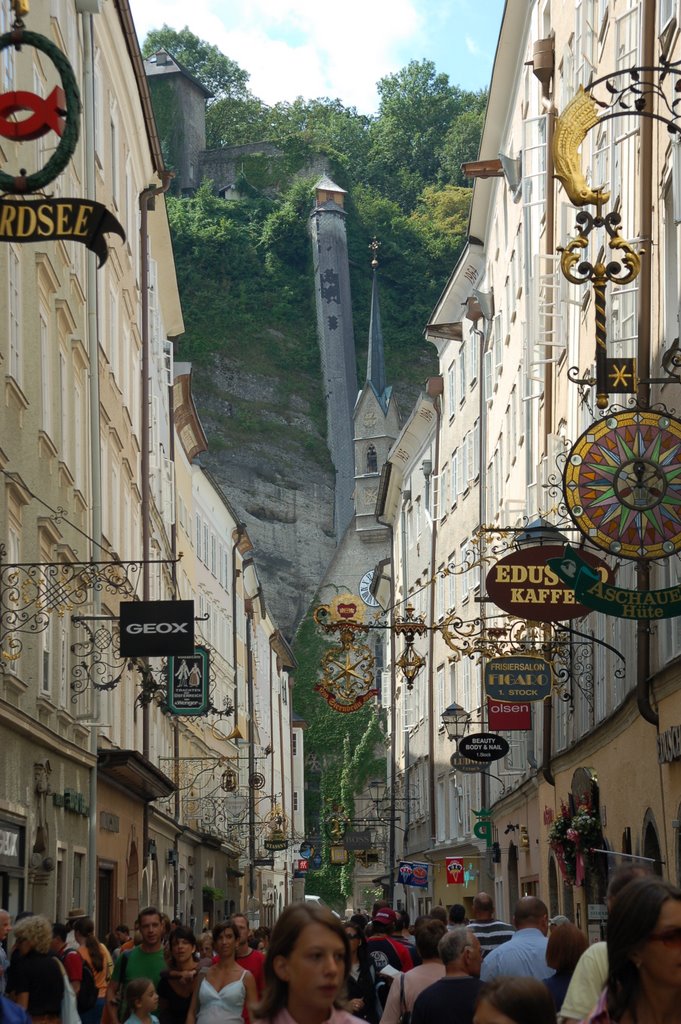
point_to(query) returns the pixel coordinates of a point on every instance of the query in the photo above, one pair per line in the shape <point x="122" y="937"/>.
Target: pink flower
<point x="573" y="835"/>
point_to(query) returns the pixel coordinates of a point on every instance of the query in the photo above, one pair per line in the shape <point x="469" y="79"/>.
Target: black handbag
<point x="405" y="1014"/>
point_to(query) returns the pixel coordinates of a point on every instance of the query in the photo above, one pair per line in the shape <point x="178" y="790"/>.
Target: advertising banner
<point x="455" y="870"/>
<point x="413" y="873"/>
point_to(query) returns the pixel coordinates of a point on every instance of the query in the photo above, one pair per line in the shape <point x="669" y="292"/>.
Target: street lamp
<point x="376" y="789"/>
<point x="454" y="718"/>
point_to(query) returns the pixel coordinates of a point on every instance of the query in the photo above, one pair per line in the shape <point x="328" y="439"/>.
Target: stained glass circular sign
<point x="622" y="484"/>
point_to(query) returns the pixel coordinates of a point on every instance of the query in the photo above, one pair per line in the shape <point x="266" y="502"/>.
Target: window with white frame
<point x="441" y="691"/>
<point x="45" y="371"/>
<point x="440" y="831"/>
<point x="440" y="595"/>
<point x="586" y="41"/>
<point x="65" y="408"/>
<point x="451" y="586"/>
<point x="456" y="477"/>
<point x="464" y="574"/>
<point x="451" y="390"/>
<point x="14" y="311"/>
<point x="473" y="353"/>
<point x="463" y="379"/>
<point x="115" y="155"/>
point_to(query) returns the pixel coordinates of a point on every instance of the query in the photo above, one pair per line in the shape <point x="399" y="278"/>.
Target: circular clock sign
<point x="622" y="484"/>
<point x="365" y="589"/>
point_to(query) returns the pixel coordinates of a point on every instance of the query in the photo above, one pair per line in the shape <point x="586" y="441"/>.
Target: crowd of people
<point x="315" y="968"/>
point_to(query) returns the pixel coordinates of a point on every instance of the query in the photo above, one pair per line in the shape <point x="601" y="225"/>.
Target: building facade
<point x="512" y="336"/>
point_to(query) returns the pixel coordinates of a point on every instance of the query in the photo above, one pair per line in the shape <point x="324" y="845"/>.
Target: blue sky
<point x="303" y="48"/>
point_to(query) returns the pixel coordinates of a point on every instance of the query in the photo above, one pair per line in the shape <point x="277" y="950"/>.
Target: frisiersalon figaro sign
<point x="155" y="629"/>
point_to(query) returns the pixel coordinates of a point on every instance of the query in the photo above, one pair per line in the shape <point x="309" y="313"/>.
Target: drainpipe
<point x="644" y="348"/>
<point x="251" y="759"/>
<point x="95" y="442"/>
<point x="543" y="69"/>
<point x="146" y="199"/>
<point x="431" y="633"/>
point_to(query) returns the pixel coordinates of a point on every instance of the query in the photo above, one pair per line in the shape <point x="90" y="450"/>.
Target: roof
<point x="325" y="183"/>
<point x="172" y="66"/>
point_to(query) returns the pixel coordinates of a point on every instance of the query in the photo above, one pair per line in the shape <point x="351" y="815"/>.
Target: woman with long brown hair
<point x="221" y="991"/>
<point x="99" y="958"/>
<point x="307" y="964"/>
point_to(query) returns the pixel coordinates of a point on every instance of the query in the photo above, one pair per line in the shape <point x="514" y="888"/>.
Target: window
<point x="198" y="535"/>
<point x="372" y="460"/>
<point x="451" y="390"/>
<point x="441" y="692"/>
<point x="77" y="891"/>
<point x="294" y="743"/>
<point x="65" y="411"/>
<point x="113" y="139"/>
<point x="45" y="372"/>
<point x="295" y="800"/>
<point x="15" y="340"/>
<point x="462" y="373"/>
<point x="213" y="554"/>
<point x="456" y="479"/>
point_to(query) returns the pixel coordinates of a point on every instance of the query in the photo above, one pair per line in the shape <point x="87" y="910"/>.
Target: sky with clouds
<point x="303" y="48"/>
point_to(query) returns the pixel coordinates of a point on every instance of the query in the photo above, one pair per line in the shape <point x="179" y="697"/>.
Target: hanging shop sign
<point x="276" y="841"/>
<point x="507" y="716"/>
<point x="523" y="585"/>
<point x="22" y="220"/>
<point x="156" y="628"/>
<point x="188" y="683"/>
<point x="462" y="764"/>
<point x="338" y="855"/>
<point x="624" y="604"/>
<point x="357" y="840"/>
<point x="455" y="870"/>
<point x="303" y="865"/>
<point x="621" y="374"/>
<point x="413" y="873"/>
<point x="484" y="747"/>
<point x="622" y="484"/>
<point x="518" y="679"/>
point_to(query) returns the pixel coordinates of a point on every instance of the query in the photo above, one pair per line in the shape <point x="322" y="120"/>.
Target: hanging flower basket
<point x="572" y="837"/>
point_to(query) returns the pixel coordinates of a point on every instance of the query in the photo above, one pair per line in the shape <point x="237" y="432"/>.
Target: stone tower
<point x="336" y="339"/>
<point x="377" y="424"/>
<point x="180" y="107"/>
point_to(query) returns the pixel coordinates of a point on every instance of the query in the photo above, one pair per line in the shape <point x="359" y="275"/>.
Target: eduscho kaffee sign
<point x="523" y="585"/>
<point x="156" y="629"/>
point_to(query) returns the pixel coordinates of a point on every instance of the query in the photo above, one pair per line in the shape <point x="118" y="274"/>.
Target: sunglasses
<point x="672" y="937"/>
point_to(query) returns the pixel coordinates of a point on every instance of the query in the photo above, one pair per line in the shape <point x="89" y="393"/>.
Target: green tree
<point x="218" y="73"/>
<point x="461" y="144"/>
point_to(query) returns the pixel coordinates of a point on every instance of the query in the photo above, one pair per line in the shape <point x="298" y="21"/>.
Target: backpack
<point x="88" y="991"/>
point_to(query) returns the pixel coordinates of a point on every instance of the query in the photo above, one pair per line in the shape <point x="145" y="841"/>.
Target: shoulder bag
<point x="69" y="1005"/>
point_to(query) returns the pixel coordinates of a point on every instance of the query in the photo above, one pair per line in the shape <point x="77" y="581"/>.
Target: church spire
<point x="376" y="357"/>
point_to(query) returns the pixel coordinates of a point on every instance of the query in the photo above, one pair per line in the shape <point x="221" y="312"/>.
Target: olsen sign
<point x="523" y="585"/>
<point x="156" y="629"/>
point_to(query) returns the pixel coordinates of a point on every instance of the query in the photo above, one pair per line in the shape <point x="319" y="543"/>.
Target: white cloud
<point x="473" y="47"/>
<point x="295" y="47"/>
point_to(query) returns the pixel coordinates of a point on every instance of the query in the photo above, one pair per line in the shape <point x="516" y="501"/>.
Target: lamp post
<point x="456" y="720"/>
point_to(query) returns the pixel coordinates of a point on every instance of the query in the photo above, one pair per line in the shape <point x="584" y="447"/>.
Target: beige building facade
<point x="512" y="335"/>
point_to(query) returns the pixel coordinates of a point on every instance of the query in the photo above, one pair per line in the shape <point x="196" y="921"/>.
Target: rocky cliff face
<point x="269" y="456"/>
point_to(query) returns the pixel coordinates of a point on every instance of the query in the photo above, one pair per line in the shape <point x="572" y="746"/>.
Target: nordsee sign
<point x="156" y="629"/>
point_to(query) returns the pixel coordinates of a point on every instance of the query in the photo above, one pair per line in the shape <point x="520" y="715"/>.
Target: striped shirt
<point x="491" y="934"/>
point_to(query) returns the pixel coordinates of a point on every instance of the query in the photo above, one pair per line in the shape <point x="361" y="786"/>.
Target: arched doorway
<point x="651" y="843"/>
<point x="513" y="888"/>
<point x="554" y="902"/>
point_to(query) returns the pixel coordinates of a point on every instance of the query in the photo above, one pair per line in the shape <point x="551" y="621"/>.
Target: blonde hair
<point x="35" y="929"/>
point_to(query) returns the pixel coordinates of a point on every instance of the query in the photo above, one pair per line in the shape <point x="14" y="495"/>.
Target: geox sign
<point x="156" y="629"/>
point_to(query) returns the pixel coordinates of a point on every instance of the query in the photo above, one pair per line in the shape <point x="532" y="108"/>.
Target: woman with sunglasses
<point x="644" y="956"/>
<point x="361" y="983"/>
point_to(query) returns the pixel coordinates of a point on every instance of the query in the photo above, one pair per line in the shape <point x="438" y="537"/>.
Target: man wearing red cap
<point x="385" y="951"/>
